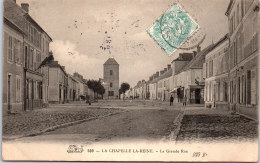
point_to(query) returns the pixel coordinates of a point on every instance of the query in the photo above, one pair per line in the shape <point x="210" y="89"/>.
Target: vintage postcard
<point x="130" y="80"/>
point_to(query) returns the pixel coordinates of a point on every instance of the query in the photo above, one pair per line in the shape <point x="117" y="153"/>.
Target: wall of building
<point x="53" y="85"/>
<point x="114" y="79"/>
<point x="12" y="67"/>
<point x="244" y="31"/>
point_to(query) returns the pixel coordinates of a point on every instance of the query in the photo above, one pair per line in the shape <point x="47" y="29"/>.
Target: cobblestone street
<point x="145" y="119"/>
<point x="212" y="125"/>
<point x="37" y="120"/>
<point x="149" y="120"/>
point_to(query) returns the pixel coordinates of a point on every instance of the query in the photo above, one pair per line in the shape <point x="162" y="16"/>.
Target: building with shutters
<point x="13" y="73"/>
<point x="35" y="50"/>
<point x="243" y="20"/>
<point x="216" y="68"/>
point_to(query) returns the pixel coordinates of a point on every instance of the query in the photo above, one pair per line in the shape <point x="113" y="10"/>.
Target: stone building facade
<point x="216" y="75"/>
<point x="111" y="79"/>
<point x="243" y="19"/>
<point x="12" y="68"/>
<point x="72" y="88"/>
<point x="58" y="83"/>
<point x="35" y="50"/>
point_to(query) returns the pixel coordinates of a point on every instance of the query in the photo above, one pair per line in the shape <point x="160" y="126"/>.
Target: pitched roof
<point x="57" y="65"/>
<point x="167" y="74"/>
<point x="14" y="13"/>
<point x="12" y="25"/>
<point x="198" y="60"/>
<point x="220" y="41"/>
<point x="184" y="57"/>
<point x="111" y="61"/>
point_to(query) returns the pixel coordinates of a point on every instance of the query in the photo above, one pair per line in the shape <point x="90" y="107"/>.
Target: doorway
<point x="197" y="96"/>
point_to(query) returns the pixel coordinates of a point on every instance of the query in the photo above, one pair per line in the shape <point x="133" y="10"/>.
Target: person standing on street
<point x="184" y="100"/>
<point x="171" y="100"/>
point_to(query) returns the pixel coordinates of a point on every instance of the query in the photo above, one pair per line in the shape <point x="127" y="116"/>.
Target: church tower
<point x="111" y="79"/>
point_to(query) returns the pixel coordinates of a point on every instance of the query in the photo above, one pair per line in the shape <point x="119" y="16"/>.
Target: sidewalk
<point x="26" y="123"/>
<point x="203" y="124"/>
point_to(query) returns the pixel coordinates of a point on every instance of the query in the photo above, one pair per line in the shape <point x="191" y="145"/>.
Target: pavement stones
<point x="200" y="124"/>
<point x="42" y="120"/>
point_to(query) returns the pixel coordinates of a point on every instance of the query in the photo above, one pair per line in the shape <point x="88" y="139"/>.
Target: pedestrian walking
<point x="184" y="100"/>
<point x="171" y="100"/>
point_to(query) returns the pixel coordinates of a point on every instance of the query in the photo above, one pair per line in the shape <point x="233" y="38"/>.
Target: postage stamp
<point x="173" y="28"/>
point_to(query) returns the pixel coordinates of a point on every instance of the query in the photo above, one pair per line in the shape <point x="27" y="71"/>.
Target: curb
<point x="253" y="119"/>
<point x="60" y="126"/>
<point x="177" y="123"/>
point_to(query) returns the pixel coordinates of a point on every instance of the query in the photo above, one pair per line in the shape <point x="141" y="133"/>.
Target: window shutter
<point x="6" y="45"/>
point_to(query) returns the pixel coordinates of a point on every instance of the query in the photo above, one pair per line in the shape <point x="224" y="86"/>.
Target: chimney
<point x="198" y="49"/>
<point x="157" y="73"/>
<point x="161" y="72"/>
<point x="168" y="66"/>
<point x="25" y="7"/>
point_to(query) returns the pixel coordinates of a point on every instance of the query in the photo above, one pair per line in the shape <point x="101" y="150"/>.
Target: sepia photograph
<point x="130" y="80"/>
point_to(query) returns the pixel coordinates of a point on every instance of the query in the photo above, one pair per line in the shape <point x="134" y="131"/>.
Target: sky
<point x="82" y="29"/>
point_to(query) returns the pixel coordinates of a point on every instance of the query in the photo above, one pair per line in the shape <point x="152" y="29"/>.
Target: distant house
<point x="177" y="65"/>
<point x="164" y="84"/>
<point x="81" y="94"/>
<point x="189" y="80"/>
<point x="58" y="83"/>
<point x="72" y="88"/>
<point x="153" y="87"/>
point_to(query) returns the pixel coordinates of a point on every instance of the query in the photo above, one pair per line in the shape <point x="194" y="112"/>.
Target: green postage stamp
<point x="173" y="28"/>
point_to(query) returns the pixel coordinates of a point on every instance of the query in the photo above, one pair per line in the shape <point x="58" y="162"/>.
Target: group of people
<point x="184" y="100"/>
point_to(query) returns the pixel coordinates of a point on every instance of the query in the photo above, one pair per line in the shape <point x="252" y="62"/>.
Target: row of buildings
<point x="26" y="84"/>
<point x="223" y="75"/>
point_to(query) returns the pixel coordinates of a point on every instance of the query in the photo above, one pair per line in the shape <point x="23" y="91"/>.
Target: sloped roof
<point x="72" y="77"/>
<point x="184" y="57"/>
<point x="220" y="41"/>
<point x="198" y="60"/>
<point x="12" y="25"/>
<point x="167" y="74"/>
<point x="14" y="13"/>
<point x="57" y="65"/>
<point x="111" y="61"/>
